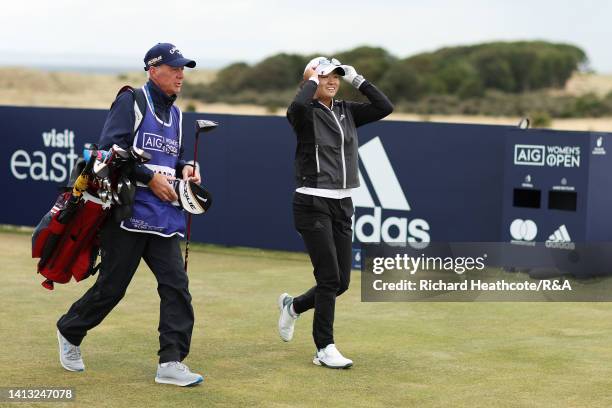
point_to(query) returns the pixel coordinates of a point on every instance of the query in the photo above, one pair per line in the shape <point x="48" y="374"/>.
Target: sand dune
<point x="30" y="87"/>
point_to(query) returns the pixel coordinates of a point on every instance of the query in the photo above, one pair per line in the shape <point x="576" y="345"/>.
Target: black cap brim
<point x="333" y="68"/>
<point x="182" y="62"/>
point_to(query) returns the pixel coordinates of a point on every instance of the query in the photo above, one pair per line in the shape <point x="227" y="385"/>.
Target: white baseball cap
<point x="331" y="65"/>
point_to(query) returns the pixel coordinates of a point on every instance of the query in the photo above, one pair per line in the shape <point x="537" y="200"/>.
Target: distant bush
<point x="590" y="105"/>
<point x="540" y="120"/>
<point x="469" y="71"/>
<point x="495" y="103"/>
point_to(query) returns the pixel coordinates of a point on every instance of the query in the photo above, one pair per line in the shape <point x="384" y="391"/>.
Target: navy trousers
<point x="121" y="254"/>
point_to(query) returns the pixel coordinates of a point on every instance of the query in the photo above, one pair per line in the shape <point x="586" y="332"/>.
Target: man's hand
<point x="162" y="188"/>
<point x="192" y="173"/>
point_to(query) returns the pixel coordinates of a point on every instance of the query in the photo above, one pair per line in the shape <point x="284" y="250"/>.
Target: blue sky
<point x="118" y="33"/>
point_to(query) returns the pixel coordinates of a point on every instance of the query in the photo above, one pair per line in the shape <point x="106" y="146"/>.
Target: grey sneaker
<point x="176" y="373"/>
<point x="286" y="320"/>
<point x="69" y="354"/>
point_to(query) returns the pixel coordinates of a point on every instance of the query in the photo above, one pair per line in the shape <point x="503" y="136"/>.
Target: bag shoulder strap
<point x="140" y="105"/>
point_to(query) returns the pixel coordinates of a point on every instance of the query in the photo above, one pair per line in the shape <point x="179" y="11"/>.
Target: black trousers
<point x="121" y="254"/>
<point x="325" y="225"/>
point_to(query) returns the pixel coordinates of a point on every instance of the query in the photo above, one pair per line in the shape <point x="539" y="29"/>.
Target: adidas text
<point x="373" y="228"/>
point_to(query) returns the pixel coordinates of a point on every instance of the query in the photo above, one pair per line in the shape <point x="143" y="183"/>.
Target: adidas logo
<point x="385" y="187"/>
<point x="560" y="239"/>
<point x="383" y="178"/>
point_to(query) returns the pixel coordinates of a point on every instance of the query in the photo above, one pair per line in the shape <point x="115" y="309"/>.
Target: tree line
<point x="449" y="79"/>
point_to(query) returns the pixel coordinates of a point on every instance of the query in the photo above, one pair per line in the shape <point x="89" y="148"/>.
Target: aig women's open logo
<point x="551" y="156"/>
<point x="529" y="155"/>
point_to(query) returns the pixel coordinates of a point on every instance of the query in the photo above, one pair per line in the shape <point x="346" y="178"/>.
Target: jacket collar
<point x="333" y="104"/>
<point x="159" y="97"/>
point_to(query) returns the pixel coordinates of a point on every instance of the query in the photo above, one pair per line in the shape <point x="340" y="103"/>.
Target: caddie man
<point x="153" y="230"/>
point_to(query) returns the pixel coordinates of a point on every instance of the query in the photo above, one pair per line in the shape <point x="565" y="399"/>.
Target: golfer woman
<point x="326" y="172"/>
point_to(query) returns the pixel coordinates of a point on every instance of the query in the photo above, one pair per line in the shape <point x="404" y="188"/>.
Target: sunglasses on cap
<point x="332" y="61"/>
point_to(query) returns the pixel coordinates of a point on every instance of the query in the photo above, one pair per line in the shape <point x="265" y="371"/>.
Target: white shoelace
<point x="73" y="353"/>
<point x="180" y="366"/>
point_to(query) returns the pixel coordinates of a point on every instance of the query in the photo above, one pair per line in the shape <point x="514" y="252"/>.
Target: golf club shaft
<point x="195" y="161"/>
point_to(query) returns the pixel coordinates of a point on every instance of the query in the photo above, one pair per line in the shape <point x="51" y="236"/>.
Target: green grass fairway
<point x="406" y="354"/>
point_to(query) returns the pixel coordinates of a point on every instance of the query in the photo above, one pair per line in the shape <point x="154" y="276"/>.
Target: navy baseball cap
<point x="166" y="53"/>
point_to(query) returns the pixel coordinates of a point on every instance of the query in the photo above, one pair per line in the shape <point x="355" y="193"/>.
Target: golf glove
<point x="352" y="77"/>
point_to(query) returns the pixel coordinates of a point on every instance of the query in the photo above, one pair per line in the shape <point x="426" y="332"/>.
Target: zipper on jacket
<point x="341" y="145"/>
<point x="317" y="158"/>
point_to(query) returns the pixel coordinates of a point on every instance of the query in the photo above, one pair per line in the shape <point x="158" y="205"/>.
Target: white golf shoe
<point x="69" y="354"/>
<point x="176" y="373"/>
<point x="286" y="320"/>
<point x="330" y="357"/>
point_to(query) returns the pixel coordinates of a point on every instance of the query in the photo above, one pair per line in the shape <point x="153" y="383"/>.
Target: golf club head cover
<point x="126" y="190"/>
<point x="101" y="155"/>
<point x="193" y="198"/>
<point x="139" y="155"/>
